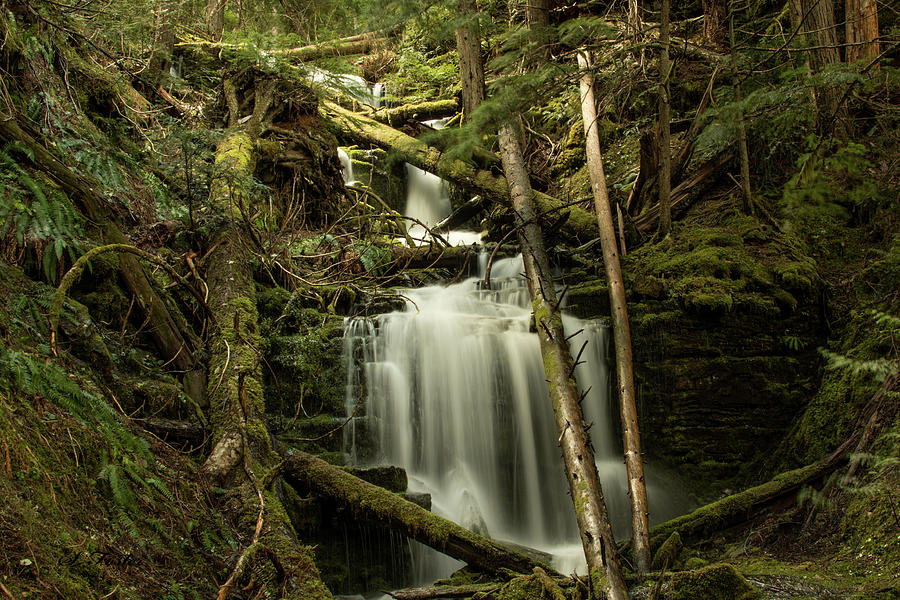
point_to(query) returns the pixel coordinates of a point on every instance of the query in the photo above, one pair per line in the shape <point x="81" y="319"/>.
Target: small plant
<point x="37" y="215"/>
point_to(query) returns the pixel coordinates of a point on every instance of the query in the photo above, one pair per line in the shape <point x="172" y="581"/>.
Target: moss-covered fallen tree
<point x="580" y="226"/>
<point x="743" y="506"/>
<point x="306" y="472"/>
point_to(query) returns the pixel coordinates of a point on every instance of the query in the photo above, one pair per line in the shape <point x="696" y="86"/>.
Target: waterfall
<point x="428" y="202"/>
<point x="346" y="166"/>
<point x="377" y="94"/>
<point x="455" y="393"/>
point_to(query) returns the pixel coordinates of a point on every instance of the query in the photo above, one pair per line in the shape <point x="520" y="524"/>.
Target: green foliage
<point x="39" y="376"/>
<point x="420" y="76"/>
<point x="37" y="214"/>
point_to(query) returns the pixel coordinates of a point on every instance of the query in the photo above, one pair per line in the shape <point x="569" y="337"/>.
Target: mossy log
<point x="431" y="256"/>
<point x="416" y="112"/>
<point x="743" y="506"/>
<point x="580" y="226"/>
<point x="444" y="591"/>
<point x="354" y="45"/>
<point x="243" y="459"/>
<point x="308" y="472"/>
<point x="173" y="343"/>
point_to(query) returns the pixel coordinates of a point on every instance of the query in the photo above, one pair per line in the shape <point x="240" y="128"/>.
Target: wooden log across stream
<point x="370" y="501"/>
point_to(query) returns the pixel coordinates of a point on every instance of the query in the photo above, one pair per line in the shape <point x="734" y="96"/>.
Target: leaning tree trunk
<point x="861" y="18"/>
<point x="471" y="65"/>
<point x="243" y="459"/>
<point x="665" y="144"/>
<point x="173" y="343"/>
<point x="584" y="484"/>
<point x="621" y="329"/>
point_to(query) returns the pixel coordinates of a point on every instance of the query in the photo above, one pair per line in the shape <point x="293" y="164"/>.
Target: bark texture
<point x="820" y="33"/>
<point x="581" y="471"/>
<point x="665" y="143"/>
<point x="243" y="459"/>
<point x="471" y="65"/>
<point x="215" y="18"/>
<point x="861" y="30"/>
<point x="621" y="329"/>
<point x="366" y="500"/>
<point x="715" y="23"/>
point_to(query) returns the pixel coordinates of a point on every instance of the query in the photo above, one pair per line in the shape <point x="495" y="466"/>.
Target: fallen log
<point x="370" y="501"/>
<point x="645" y="221"/>
<point x="444" y="591"/>
<point x="743" y="506"/>
<point x="580" y="225"/>
<point x="416" y="112"/>
<point x="353" y="45"/>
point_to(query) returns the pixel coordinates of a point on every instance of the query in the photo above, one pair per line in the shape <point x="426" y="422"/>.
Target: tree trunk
<point x="744" y="152"/>
<point x="634" y="18"/>
<point x="714" y="19"/>
<point x="537" y="13"/>
<point x="818" y="28"/>
<point x="471" y="65"/>
<point x="164" y="41"/>
<point x="580" y="226"/>
<point x="621" y="330"/>
<point x="665" y="143"/>
<point x="242" y="458"/>
<point x="581" y="471"/>
<point x="373" y="502"/>
<point x="862" y="30"/>
<point x="215" y="18"/>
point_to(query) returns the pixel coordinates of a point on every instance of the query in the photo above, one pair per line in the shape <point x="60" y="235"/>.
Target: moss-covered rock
<point x="715" y="582"/>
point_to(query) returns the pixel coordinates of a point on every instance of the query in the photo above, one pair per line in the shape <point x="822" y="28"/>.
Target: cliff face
<point x="726" y="318"/>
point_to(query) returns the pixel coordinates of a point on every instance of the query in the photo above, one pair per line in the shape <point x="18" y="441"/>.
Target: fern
<point x="37" y="214"/>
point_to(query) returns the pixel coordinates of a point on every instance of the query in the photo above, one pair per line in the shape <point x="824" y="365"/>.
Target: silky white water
<point x="454" y="391"/>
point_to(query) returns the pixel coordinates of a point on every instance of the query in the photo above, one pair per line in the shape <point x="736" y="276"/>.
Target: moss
<point x="667" y="555"/>
<point x="715" y="582"/>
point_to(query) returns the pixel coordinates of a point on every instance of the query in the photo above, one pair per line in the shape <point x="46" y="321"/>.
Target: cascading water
<point x="455" y="393"/>
<point x="346" y="166"/>
<point x="427" y="200"/>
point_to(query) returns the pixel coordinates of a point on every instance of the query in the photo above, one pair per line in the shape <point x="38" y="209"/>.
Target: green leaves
<point x="37" y="215"/>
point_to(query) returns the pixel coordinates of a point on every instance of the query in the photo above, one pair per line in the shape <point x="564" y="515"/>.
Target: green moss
<point x="667" y="555"/>
<point x="715" y="582"/>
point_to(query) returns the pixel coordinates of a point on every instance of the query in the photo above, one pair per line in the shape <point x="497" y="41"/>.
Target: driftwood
<point x="580" y="225"/>
<point x="370" y="501"/>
